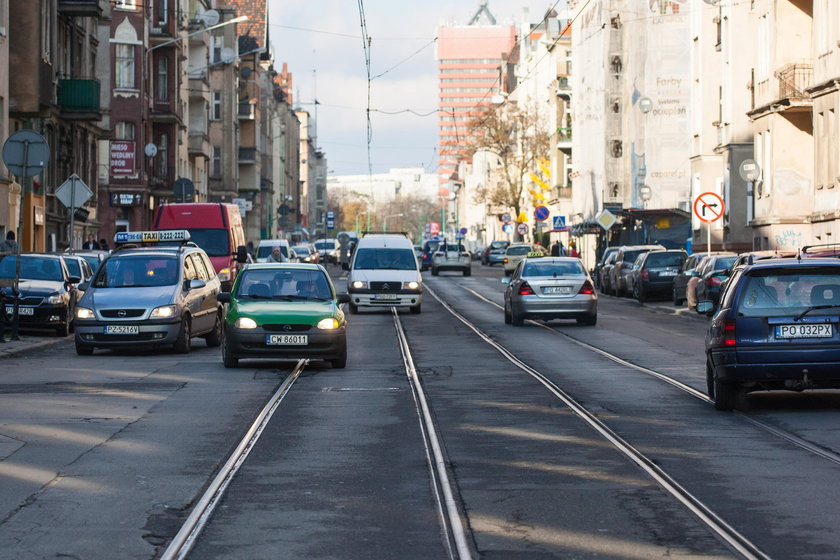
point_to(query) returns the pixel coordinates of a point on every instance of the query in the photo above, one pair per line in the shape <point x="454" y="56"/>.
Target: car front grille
<point x="99" y="337"/>
<point x="27" y="300"/>
<point x="121" y="313"/>
<point x="386" y="286"/>
<point x="286" y="328"/>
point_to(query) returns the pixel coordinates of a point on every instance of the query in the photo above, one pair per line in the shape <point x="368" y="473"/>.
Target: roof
<point x="289" y="266"/>
<point x="783" y="263"/>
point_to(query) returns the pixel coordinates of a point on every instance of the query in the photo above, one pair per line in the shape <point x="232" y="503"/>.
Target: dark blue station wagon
<point x="777" y="328"/>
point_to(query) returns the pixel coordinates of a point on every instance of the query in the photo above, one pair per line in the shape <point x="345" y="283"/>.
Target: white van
<point x="266" y="245"/>
<point x="384" y="273"/>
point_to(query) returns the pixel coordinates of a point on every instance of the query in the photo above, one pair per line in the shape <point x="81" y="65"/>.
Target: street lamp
<point x="385" y="220"/>
<point x="357" y="220"/>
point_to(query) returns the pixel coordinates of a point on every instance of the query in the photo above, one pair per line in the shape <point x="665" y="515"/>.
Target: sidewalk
<point x="28" y="342"/>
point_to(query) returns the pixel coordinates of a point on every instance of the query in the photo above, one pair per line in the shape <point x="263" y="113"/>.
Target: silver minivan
<point x="384" y="273"/>
<point x="150" y="297"/>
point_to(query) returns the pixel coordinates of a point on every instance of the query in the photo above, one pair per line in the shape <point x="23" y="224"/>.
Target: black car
<point x="600" y="265"/>
<point x="48" y="293"/>
<point x="655" y="273"/>
<point x="429" y="248"/>
<point x="778" y="327"/>
<point x="712" y="274"/>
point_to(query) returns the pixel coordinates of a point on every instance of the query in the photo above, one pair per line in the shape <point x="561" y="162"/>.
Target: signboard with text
<point x="123" y="156"/>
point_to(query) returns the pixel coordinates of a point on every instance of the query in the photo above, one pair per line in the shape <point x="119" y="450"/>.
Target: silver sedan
<point x="550" y="288"/>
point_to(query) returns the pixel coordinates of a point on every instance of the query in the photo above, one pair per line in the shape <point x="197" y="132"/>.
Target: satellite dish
<point x="209" y="17"/>
<point x="711" y="2"/>
<point x="228" y="55"/>
<point x="645" y="104"/>
<point x="150" y="150"/>
<point x="245" y="71"/>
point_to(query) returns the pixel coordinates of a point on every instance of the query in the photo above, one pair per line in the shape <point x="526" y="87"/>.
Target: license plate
<point x="557" y="290"/>
<point x="21" y="310"/>
<point x="803" y="331"/>
<point x="286" y="339"/>
<point x="385" y="296"/>
<point x="667" y="273"/>
<point x="122" y="329"/>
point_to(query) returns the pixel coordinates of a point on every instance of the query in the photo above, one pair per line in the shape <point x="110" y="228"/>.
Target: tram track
<point x="736" y="541"/>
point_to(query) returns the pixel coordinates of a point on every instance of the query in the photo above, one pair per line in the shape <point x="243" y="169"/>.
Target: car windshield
<point x="521" y="250"/>
<point x="137" y="271"/>
<point x="31" y="268"/>
<point x="548" y="268"/>
<point x="215" y="242"/>
<point x="396" y="259"/>
<point x="774" y="292"/>
<point x="283" y="285"/>
<point x="73" y="267"/>
<point x="325" y="245"/>
<point x="664" y="259"/>
<point x="263" y="251"/>
<point x="723" y="263"/>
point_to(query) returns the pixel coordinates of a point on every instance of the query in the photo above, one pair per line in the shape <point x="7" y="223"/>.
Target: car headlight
<point x="84" y="313"/>
<point x="54" y="300"/>
<point x="412" y="285"/>
<point x="224" y="275"/>
<point x="245" y="323"/>
<point x="164" y="312"/>
<point x="358" y="284"/>
<point x="328" y="324"/>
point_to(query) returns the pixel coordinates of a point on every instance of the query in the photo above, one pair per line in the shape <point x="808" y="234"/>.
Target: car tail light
<point x="506" y="260"/>
<point x="729" y="332"/>
<point x="715" y="280"/>
<point x="645" y="274"/>
<point x="465" y="254"/>
<point x="586" y="289"/>
<point x="525" y="289"/>
<point x="438" y="254"/>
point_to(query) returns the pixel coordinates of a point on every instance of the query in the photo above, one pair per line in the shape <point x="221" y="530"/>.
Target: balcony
<point x="794" y="80"/>
<point x="247" y="155"/>
<point x="78" y="99"/>
<point x="199" y="144"/>
<point x="564" y="139"/>
<point x="199" y="89"/>
<point x="247" y="110"/>
<point x="80" y="8"/>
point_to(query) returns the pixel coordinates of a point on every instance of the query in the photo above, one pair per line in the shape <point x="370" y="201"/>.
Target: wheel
<point x="214" y="337"/>
<point x="589" y="321"/>
<point x="341" y="361"/>
<point x="710" y="379"/>
<point x="468" y="272"/>
<point x="83" y="349"/>
<point x="415" y="310"/>
<point x="515" y="319"/>
<point x="726" y="395"/>
<point x="182" y="345"/>
<point x="677" y="301"/>
<point x="641" y="297"/>
<point x="434" y="271"/>
<point x="353" y="307"/>
<point x="508" y="319"/>
<point x="228" y="358"/>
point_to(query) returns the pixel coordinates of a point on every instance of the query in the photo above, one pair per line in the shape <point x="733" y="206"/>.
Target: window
<point x="216" y="165"/>
<point x="161" y="9"/>
<point x="190" y="272"/>
<point x="216" y="51"/>
<point x="216" y="107"/>
<point x="201" y="271"/>
<point x="163" y="79"/>
<point x="124" y="131"/>
<point x="125" y="4"/>
<point x="163" y="156"/>
<point x="124" y="74"/>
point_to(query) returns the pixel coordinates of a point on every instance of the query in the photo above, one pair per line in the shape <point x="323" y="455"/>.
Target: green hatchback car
<point x="285" y="311"/>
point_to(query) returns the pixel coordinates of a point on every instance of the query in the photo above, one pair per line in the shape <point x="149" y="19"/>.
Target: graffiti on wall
<point x="789" y="239"/>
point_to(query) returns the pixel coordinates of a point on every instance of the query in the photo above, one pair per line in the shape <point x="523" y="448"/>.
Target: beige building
<point x="9" y="196"/>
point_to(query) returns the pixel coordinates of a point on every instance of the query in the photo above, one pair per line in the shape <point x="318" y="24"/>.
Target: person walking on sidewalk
<point x="9" y="245"/>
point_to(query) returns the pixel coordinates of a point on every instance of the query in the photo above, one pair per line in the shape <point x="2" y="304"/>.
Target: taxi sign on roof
<point x="535" y="254"/>
<point x="162" y="236"/>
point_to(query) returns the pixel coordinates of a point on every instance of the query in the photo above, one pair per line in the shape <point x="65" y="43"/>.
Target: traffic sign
<point x="73" y="192"/>
<point x="26" y="153"/>
<point x="521" y="228"/>
<point x="434" y="228"/>
<point x="709" y="207"/>
<point x="522" y="217"/>
<point x="507" y="228"/>
<point x="463" y="231"/>
<point x="185" y="190"/>
<point x="330" y="215"/>
<point x="606" y="219"/>
<point x="330" y="224"/>
<point x="558" y="223"/>
<point x="505" y="217"/>
<point x="541" y="213"/>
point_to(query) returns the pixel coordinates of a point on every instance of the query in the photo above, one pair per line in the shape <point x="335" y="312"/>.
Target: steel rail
<point x="186" y="537"/>
<point x="451" y="518"/>
<point x="790" y="437"/>
<point x="728" y="534"/>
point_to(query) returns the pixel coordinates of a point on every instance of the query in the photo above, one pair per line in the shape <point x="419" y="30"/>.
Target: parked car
<point x="550" y="288"/>
<point x="654" y="272"/>
<point x="93" y="258"/>
<point x="48" y="292"/>
<point x="604" y="274"/>
<point x="77" y="266"/>
<point x="494" y="253"/>
<point x="778" y="328"/>
<point x="451" y="256"/>
<point x="515" y="252"/>
<point x="709" y="277"/>
<point x="624" y="259"/>
<point x="683" y="276"/>
<point x="596" y="276"/>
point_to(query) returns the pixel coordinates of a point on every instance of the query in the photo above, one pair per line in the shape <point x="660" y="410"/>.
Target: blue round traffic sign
<point x="463" y="231"/>
<point x="541" y="213"/>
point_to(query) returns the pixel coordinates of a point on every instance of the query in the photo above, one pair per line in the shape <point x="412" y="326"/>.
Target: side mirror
<point x="241" y="254"/>
<point x="343" y="298"/>
<point x="504" y="280"/>
<point x="195" y="284"/>
<point x="73" y="279"/>
<point x="223" y="297"/>
<point x="345" y="266"/>
<point x="705" y="307"/>
<point x="83" y="286"/>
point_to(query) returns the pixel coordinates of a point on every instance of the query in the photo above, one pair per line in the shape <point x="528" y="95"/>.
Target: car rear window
<point x="630" y="256"/>
<point x="774" y="292"/>
<point x="553" y="269"/>
<point x="499" y="244"/>
<point x="451" y="247"/>
<point x="518" y="250"/>
<point x="664" y="259"/>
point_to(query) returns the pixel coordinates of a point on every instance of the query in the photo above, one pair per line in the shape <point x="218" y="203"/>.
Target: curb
<point x="680" y="312"/>
<point x="12" y="348"/>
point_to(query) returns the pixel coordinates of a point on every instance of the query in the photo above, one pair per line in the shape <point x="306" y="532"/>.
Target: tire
<point x="515" y="319"/>
<point x="434" y="271"/>
<point x="468" y="272"/>
<point x="214" y="337"/>
<point x="182" y="345"/>
<point x="589" y="321"/>
<point x="726" y="395"/>
<point x="340" y="362"/>
<point x="84" y="349"/>
<point x="641" y="297"/>
<point x="229" y="360"/>
<point x="710" y="380"/>
<point x="353" y="308"/>
<point x="416" y="310"/>
<point x="508" y="319"/>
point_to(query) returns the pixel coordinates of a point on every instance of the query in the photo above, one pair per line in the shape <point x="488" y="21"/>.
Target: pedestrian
<point x="91" y="244"/>
<point x="276" y="255"/>
<point x="558" y="250"/>
<point x="573" y="252"/>
<point x="9" y="245"/>
<point x="103" y="245"/>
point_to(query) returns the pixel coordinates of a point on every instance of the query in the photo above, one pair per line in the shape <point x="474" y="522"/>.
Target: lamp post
<point x="385" y="220"/>
<point x="357" y="220"/>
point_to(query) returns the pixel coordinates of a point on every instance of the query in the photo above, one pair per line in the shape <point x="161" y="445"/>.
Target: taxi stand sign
<point x="163" y="236"/>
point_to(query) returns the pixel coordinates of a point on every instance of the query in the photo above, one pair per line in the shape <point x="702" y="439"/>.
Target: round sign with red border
<point x="522" y="229"/>
<point x="709" y="207"/>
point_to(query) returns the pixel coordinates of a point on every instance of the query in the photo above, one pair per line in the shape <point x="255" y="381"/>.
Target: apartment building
<point x="9" y="191"/>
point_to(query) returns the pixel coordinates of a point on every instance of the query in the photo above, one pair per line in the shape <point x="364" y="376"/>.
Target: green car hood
<point x="296" y="312"/>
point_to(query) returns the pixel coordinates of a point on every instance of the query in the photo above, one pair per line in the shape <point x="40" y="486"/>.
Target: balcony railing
<point x="247" y="155"/>
<point x="794" y="80"/>
<point x="78" y="95"/>
<point x="80" y="8"/>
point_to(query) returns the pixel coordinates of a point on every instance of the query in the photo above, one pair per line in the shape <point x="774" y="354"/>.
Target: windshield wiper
<point x="815" y="308"/>
<point x="258" y="297"/>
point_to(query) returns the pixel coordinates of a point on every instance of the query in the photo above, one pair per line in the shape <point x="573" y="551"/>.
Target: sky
<point x="321" y="42"/>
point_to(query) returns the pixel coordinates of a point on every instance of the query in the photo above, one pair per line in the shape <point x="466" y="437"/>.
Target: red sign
<point x="708" y="207"/>
<point x="434" y="228"/>
<point x="123" y="155"/>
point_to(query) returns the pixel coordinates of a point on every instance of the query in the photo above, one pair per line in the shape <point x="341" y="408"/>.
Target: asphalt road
<point x="103" y="456"/>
